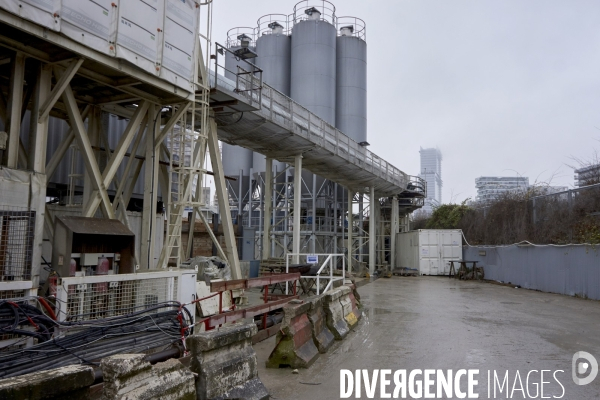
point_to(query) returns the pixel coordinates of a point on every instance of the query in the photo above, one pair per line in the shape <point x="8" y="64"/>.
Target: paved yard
<point x="438" y="323"/>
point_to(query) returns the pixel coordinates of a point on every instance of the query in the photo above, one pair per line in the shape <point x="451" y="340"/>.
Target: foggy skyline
<point x="501" y="88"/>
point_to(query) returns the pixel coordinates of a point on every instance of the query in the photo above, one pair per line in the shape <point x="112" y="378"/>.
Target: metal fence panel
<point x="571" y="270"/>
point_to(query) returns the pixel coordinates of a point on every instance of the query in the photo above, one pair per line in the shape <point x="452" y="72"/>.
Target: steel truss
<point x="52" y="75"/>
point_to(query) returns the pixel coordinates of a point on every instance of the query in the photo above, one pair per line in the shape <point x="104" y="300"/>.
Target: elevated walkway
<point x="270" y="123"/>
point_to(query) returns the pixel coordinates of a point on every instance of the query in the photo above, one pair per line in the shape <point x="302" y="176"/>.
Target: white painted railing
<point x="330" y="263"/>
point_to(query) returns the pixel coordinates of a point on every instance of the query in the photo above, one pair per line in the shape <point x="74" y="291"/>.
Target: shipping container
<point x="429" y="250"/>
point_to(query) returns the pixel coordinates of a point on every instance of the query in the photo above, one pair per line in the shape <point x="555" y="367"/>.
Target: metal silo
<point x="273" y="47"/>
<point x="313" y="58"/>
<point x="351" y="88"/>
<point x="238" y="160"/>
<point x="238" y="38"/>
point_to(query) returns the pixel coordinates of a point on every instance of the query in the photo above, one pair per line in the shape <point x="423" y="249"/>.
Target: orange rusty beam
<point x="253" y="282"/>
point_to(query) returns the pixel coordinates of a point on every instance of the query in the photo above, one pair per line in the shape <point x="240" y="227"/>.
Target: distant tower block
<point x="351" y="88"/>
<point x="431" y="172"/>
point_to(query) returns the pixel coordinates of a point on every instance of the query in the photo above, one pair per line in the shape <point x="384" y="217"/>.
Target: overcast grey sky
<point x="498" y="85"/>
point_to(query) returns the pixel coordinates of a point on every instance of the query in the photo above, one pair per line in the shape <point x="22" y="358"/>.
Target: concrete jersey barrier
<point x="334" y="310"/>
<point x="295" y="346"/>
<point x="348" y="306"/>
<point x="225" y="363"/>
<point x="322" y="336"/>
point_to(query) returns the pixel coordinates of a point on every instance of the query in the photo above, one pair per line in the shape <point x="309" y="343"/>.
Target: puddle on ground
<point x="379" y="310"/>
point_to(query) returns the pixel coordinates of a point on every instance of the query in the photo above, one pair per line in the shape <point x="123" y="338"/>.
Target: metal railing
<point x="248" y="77"/>
<point x="328" y="263"/>
<point x="322" y="224"/>
<point x="265" y="27"/>
<point x="281" y="110"/>
<point x="358" y="25"/>
<point x="233" y="33"/>
<point x="324" y="7"/>
<point x="285" y="112"/>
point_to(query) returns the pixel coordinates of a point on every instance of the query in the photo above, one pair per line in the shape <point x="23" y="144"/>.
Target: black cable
<point x="154" y="326"/>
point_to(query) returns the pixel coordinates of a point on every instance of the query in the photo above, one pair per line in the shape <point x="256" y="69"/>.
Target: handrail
<point x="328" y="262"/>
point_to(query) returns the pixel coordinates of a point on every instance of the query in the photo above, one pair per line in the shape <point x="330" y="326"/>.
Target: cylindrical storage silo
<point x="236" y="158"/>
<point x="237" y="38"/>
<point x="273" y="47"/>
<point x="351" y="76"/>
<point x="313" y="58"/>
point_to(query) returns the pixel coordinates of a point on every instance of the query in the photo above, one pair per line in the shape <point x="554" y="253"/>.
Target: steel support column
<point x="37" y="162"/>
<point x="297" y="207"/>
<point x="268" y="194"/>
<point x="393" y="232"/>
<point x="350" y="229"/>
<point x="223" y="199"/>
<point x="39" y="127"/>
<point x="372" y="230"/>
<point x="150" y="194"/>
<point x="15" y="104"/>
<point x="313" y="239"/>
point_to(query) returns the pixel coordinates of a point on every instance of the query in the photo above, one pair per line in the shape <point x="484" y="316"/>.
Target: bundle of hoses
<point x="86" y="342"/>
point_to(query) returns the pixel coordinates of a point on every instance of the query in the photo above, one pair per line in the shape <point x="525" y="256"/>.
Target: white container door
<point x="429" y="253"/>
<point x="450" y="249"/>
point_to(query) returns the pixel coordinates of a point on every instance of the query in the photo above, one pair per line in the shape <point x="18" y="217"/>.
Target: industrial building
<point x="492" y="187"/>
<point x="114" y="115"/>
<point x="431" y="173"/>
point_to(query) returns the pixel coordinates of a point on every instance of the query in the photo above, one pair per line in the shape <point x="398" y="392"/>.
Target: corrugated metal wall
<point x="571" y="270"/>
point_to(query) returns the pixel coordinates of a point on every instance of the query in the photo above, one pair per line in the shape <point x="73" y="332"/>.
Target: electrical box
<point x="86" y="241"/>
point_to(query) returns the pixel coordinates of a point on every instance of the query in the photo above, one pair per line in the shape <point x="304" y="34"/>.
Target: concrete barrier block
<point x="334" y="312"/>
<point x="69" y="382"/>
<point x="295" y="346"/>
<point x="333" y="295"/>
<point x="356" y="294"/>
<point x="226" y="364"/>
<point x="347" y="306"/>
<point x="322" y="336"/>
<point x="355" y="309"/>
<point x="129" y="376"/>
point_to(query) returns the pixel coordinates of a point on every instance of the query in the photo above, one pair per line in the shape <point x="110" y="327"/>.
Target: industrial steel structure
<point x="319" y="61"/>
<point x="110" y="112"/>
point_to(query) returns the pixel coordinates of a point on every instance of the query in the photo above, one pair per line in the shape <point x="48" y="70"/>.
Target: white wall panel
<point x="90" y="23"/>
<point x="140" y="22"/>
<point x="180" y="35"/>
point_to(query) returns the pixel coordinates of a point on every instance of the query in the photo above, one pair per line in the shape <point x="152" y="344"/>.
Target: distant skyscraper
<point x="431" y="172"/>
<point x="492" y="187"/>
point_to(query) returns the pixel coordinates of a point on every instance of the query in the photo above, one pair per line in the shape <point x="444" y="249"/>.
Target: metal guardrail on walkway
<point x="286" y="128"/>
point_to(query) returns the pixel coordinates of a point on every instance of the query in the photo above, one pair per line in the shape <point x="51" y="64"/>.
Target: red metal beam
<point x="220" y="319"/>
<point x="253" y="282"/>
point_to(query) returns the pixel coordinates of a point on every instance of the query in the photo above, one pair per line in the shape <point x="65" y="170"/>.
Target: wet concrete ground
<point x="437" y="323"/>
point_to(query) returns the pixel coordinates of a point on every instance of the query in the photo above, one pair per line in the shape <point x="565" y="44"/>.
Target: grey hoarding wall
<point x="571" y="270"/>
